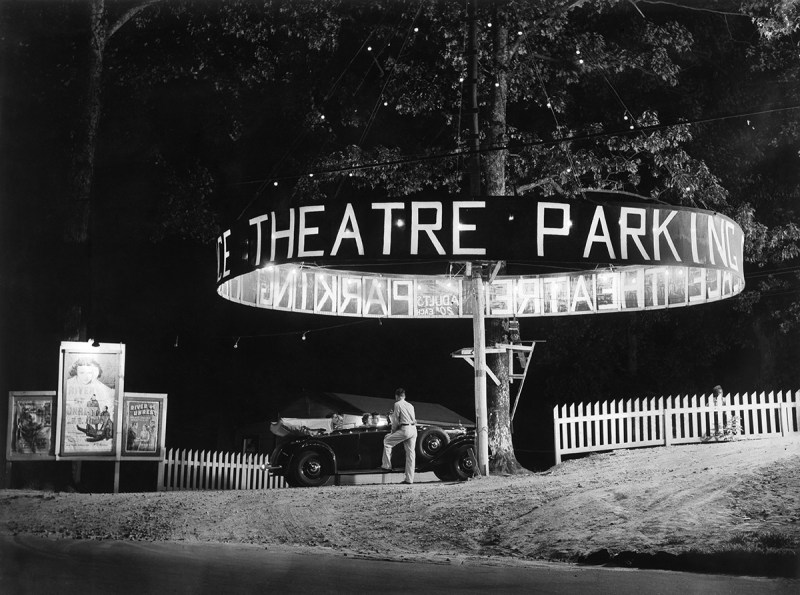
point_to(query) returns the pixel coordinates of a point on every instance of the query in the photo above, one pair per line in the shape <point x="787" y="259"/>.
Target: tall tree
<point x="102" y="26"/>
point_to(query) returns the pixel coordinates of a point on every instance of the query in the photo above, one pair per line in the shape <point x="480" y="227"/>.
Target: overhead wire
<point x="567" y="151"/>
<point x="517" y="145"/>
<point x="389" y="77"/>
<point x="305" y="130"/>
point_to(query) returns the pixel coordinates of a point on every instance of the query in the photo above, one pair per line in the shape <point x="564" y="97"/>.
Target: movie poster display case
<point x="89" y="396"/>
<point x="31" y="426"/>
<point x="144" y="417"/>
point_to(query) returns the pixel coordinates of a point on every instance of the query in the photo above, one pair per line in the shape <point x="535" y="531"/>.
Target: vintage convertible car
<point x="316" y="452"/>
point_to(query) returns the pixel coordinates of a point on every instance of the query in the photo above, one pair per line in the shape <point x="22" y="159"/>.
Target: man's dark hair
<point x="400" y="392"/>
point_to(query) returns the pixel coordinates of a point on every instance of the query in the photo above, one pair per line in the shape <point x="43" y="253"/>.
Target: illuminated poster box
<point x="89" y="397"/>
<point x="31" y="425"/>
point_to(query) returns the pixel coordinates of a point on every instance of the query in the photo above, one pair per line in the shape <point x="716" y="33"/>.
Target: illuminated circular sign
<point x="616" y="257"/>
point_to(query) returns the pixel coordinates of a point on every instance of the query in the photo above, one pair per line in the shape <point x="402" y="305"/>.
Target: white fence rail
<point x="207" y="470"/>
<point x="673" y="420"/>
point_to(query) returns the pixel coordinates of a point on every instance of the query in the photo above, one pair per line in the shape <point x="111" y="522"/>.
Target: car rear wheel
<point x="309" y="469"/>
<point x="430" y="443"/>
<point x="462" y="465"/>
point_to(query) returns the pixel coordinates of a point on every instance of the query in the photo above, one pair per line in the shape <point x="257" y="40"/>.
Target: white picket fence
<point x="672" y="420"/>
<point x="207" y="470"/>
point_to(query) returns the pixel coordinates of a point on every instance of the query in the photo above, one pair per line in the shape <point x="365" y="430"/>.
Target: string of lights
<point x="306" y="129"/>
<point x="517" y="145"/>
<point x="381" y="101"/>
<point x="572" y="169"/>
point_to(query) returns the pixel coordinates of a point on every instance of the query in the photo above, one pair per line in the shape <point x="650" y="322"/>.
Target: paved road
<point x="32" y="565"/>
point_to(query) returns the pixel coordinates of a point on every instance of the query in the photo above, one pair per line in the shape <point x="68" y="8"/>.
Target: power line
<point x="519" y="145"/>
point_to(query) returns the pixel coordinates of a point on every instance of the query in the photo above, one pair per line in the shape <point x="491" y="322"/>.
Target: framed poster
<point x="31" y="425"/>
<point x="144" y="420"/>
<point x="89" y="396"/>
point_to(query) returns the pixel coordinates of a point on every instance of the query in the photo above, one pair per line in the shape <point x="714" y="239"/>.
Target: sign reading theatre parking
<point x="625" y="256"/>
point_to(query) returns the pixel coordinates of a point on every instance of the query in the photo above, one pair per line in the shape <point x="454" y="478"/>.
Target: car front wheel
<point x="462" y="464"/>
<point x="309" y="469"/>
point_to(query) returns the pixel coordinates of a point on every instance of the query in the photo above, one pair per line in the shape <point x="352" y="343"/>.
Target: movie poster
<point x="143" y="422"/>
<point x="31" y="425"/>
<point x="91" y="379"/>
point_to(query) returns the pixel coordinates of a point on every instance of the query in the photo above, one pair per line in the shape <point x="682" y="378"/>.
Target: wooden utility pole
<point x="473" y="272"/>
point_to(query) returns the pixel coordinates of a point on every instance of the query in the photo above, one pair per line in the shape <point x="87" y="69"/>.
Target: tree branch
<point x="622" y="192"/>
<point x="696" y="8"/>
<point x="127" y="16"/>
<point x="525" y="187"/>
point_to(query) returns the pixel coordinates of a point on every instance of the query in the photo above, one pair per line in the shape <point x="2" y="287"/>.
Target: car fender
<point x="311" y="444"/>
<point x="445" y="453"/>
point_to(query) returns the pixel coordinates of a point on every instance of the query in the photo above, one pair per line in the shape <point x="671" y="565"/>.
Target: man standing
<point x="404" y="429"/>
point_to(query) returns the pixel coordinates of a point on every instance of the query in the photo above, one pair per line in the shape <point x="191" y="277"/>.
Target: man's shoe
<point x="408" y="483"/>
<point x="386" y="468"/>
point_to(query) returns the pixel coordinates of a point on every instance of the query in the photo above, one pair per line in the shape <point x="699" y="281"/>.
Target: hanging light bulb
<point x="274" y="183"/>
<point x="304" y="336"/>
<point x="236" y="345"/>
<point x="176" y="340"/>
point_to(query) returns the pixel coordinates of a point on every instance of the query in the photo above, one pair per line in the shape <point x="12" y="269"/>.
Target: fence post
<point x="665" y="410"/>
<point x="557" y="434"/>
<point x="784" y="418"/>
<point x="162" y="475"/>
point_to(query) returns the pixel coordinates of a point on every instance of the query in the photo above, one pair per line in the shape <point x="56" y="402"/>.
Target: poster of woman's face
<point x="90" y="395"/>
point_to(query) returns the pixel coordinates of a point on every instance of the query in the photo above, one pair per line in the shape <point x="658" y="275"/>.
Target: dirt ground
<point x="722" y="499"/>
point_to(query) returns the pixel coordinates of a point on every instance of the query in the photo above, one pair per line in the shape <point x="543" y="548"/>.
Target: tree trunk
<point x="502" y="459"/>
<point x="76" y="228"/>
<point x="766" y="368"/>
<point x="78" y="216"/>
